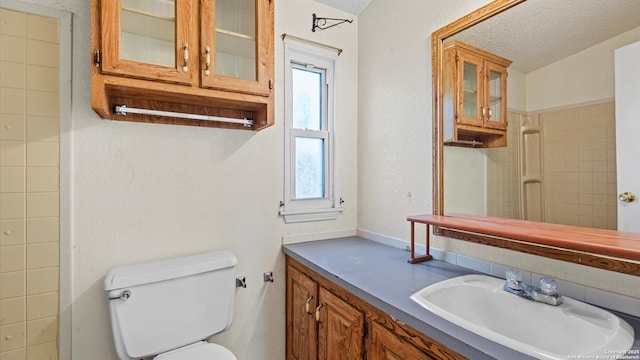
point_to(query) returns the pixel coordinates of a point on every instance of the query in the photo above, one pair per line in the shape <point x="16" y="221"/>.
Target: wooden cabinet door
<point x="340" y="329"/>
<point x="302" y="297"/>
<point x="236" y="40"/>
<point x="495" y="96"/>
<point x="152" y="40"/>
<point x="387" y="346"/>
<point x="469" y="87"/>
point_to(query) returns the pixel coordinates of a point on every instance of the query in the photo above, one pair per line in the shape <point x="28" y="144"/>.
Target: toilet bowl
<point x="167" y="309"/>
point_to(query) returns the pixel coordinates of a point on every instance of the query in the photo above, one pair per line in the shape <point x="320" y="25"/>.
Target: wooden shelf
<point x="607" y="249"/>
<point x="148" y="14"/>
<point x="235" y="34"/>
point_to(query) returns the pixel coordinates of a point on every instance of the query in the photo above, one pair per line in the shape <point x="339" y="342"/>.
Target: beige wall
<point x="465" y="166"/>
<point x="146" y="192"/>
<point x="394" y="102"/>
<point x="29" y="186"/>
<point x="142" y="192"/>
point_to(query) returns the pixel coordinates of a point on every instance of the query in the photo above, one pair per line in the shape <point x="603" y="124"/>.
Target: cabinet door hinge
<point x="270" y="84"/>
<point x="96" y="58"/>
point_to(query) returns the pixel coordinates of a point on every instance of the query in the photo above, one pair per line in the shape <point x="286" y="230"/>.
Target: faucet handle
<point x="513" y="275"/>
<point x="514" y="278"/>
<point x="548" y="286"/>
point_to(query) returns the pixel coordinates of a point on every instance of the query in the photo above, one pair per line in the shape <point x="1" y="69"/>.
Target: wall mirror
<point x="552" y="92"/>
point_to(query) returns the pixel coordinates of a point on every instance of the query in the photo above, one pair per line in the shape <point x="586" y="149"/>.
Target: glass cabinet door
<point x="236" y="40"/>
<point x="235" y="36"/>
<point x="495" y="97"/>
<point x="148" y="39"/>
<point x="470" y="89"/>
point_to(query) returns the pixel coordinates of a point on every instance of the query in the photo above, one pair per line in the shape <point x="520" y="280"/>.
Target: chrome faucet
<point x="547" y="292"/>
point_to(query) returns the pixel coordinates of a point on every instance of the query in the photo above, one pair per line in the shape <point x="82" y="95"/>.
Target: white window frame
<point x="302" y="55"/>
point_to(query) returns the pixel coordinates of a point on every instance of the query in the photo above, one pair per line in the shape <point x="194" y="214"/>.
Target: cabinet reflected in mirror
<point x="474" y="96"/>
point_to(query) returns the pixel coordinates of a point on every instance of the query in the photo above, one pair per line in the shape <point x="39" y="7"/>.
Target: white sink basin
<point x="478" y="304"/>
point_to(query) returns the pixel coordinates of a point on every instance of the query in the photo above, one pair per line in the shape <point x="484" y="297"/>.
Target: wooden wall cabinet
<point x="475" y="96"/>
<point x="324" y="321"/>
<point x="206" y="57"/>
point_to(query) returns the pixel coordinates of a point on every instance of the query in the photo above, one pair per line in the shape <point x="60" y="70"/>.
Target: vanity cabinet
<point x="340" y="328"/>
<point x="302" y="297"/>
<point x="385" y="345"/>
<point x="474" y="96"/>
<point x="324" y="321"/>
<point x="320" y="325"/>
<point x="210" y="58"/>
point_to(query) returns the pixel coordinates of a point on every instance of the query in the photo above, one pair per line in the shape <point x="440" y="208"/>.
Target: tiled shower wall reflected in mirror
<point x="578" y="152"/>
<point x="580" y="160"/>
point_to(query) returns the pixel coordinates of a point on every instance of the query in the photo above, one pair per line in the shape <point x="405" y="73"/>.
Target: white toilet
<point x="169" y="308"/>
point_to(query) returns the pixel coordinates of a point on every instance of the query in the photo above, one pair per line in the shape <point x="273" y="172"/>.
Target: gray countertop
<point x="380" y="275"/>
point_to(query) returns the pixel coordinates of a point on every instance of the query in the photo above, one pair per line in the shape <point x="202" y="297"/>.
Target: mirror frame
<point x="438" y="37"/>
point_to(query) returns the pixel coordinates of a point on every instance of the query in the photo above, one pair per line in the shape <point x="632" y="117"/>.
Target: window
<point x="309" y="117"/>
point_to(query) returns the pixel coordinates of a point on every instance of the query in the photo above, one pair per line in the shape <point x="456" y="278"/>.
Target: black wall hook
<point x="321" y="22"/>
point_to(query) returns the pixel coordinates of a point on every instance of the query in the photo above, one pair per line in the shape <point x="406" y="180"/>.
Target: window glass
<point x="309" y="172"/>
<point x="307" y="99"/>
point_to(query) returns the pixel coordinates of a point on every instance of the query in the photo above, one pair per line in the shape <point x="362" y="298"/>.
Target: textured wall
<point x="395" y="100"/>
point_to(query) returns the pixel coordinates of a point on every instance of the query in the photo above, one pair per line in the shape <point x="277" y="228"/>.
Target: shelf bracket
<point x="321" y="22"/>
<point x="419" y="258"/>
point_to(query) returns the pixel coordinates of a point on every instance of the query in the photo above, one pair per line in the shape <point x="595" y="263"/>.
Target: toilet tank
<point x="159" y="306"/>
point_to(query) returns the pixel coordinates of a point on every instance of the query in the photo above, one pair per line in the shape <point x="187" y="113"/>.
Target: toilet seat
<point x="199" y="351"/>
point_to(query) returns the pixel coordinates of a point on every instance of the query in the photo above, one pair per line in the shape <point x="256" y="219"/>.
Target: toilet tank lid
<point x="150" y="272"/>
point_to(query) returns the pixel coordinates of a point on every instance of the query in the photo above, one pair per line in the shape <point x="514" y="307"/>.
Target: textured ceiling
<point x="540" y="32"/>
